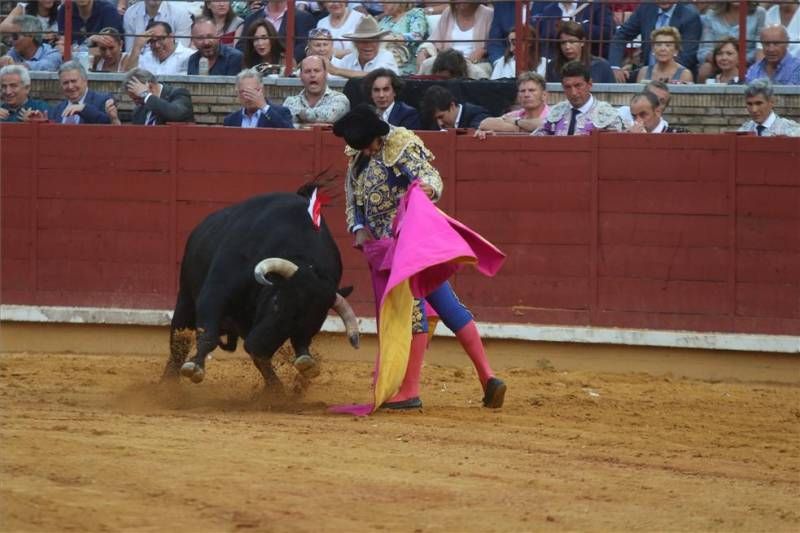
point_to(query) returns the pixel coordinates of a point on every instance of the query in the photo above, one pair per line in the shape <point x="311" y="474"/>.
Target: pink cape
<point x="428" y="247"/>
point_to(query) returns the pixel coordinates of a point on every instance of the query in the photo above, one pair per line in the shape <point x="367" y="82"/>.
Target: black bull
<point x="258" y="270"/>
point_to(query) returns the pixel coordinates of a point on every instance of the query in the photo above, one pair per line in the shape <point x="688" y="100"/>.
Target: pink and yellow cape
<point x="428" y="247"/>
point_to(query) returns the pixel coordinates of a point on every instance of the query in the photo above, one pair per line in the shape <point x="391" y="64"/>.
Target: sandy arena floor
<point x="91" y="443"/>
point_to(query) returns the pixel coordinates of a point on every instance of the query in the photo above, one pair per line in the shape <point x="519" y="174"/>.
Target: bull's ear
<point x="345" y="291"/>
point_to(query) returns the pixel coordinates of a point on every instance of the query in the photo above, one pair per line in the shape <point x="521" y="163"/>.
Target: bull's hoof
<point x="354" y="341"/>
<point x="307" y="366"/>
<point x="193" y="371"/>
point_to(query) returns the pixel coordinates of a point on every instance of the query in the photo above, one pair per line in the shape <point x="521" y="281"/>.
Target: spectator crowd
<point x="381" y="44"/>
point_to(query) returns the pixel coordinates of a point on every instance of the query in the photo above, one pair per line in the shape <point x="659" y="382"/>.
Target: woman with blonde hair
<point x="341" y="20"/>
<point x="666" y="42"/>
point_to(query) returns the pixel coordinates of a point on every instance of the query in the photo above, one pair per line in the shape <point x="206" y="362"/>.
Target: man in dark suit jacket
<point x="256" y="111"/>
<point x="304" y="22"/>
<point x="82" y="105"/>
<point x="222" y="60"/>
<point x="683" y="17"/>
<point x="441" y="111"/>
<point x="157" y="103"/>
<point x="381" y="88"/>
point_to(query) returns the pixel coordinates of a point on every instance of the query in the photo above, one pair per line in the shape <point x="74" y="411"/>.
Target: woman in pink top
<point x="532" y="100"/>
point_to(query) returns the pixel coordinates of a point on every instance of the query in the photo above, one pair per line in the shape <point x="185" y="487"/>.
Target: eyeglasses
<point x="317" y="32"/>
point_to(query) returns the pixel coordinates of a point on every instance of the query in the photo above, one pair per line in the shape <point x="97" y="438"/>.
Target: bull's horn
<point x="344" y="310"/>
<point x="274" y="265"/>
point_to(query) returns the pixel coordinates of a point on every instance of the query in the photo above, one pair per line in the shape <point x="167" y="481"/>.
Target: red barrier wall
<point x="697" y="232"/>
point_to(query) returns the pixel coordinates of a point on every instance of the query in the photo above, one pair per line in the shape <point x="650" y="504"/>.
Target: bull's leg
<point x="195" y="368"/>
<point x="209" y="313"/>
<point x="272" y="382"/>
<point x="181" y="336"/>
<point x="261" y="347"/>
<point x="307" y="366"/>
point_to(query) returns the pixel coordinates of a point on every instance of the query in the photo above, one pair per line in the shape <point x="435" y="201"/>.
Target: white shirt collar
<point x="387" y="112"/>
<point x="662" y="125"/>
<point x="458" y="115"/>
<point x="587" y="106"/>
<point x="770" y="120"/>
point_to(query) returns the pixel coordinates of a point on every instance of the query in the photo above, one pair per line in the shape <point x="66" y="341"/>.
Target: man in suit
<point x="222" y="60"/>
<point x="275" y="12"/>
<point x="256" y="111"/>
<point x="764" y="122"/>
<point x="441" y="111"/>
<point x="156" y="103"/>
<point x="381" y="87"/>
<point x="646" y="18"/>
<point x="81" y="105"/>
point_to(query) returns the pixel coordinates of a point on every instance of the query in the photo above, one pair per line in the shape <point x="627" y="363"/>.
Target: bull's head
<point x="287" y="270"/>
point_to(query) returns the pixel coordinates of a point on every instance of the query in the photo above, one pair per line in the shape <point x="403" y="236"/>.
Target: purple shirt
<point x="787" y="73"/>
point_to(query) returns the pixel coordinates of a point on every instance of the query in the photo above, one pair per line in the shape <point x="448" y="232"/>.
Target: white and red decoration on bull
<point x="315" y="203"/>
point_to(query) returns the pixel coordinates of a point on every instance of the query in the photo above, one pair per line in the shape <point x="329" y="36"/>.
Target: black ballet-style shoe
<point x="495" y="393"/>
<point x="403" y="405"/>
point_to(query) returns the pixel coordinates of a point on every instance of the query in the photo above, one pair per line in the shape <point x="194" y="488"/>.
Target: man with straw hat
<point x="368" y="54"/>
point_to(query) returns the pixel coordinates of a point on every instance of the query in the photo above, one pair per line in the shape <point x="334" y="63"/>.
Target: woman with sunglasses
<point x="320" y="43"/>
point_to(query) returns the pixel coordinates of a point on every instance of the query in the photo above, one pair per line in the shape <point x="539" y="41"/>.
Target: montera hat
<point x="360" y="126"/>
<point x="367" y="28"/>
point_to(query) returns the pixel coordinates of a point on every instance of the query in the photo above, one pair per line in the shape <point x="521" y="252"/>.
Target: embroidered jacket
<point x="601" y="116"/>
<point x="375" y="185"/>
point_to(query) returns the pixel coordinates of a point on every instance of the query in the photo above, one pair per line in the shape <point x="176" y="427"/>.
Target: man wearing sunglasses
<point x="162" y="54"/>
<point x="29" y="50"/>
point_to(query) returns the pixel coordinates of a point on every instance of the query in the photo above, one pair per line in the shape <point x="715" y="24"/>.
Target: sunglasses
<point x="316" y="32"/>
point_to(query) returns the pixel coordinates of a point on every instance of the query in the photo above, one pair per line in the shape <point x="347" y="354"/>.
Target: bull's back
<point x="235" y="238"/>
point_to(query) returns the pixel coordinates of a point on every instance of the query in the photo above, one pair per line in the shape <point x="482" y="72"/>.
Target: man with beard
<point x="140" y="16"/>
<point x="163" y="55"/>
<point x="222" y="60"/>
<point x="317" y="103"/>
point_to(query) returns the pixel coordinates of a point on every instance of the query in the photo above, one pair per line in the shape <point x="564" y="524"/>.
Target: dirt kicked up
<point x="91" y="443"/>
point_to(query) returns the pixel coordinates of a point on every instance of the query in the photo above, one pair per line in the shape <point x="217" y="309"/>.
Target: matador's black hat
<point x="360" y="126"/>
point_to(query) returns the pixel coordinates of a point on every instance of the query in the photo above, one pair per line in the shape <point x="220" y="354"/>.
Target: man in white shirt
<point x="368" y="55"/>
<point x="140" y="14"/>
<point x="163" y="54"/>
<point x="317" y="103"/>
<point x="764" y="121"/>
<point x="646" y="111"/>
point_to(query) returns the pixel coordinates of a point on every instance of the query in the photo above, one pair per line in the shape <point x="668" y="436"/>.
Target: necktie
<point x="572" y="121"/>
<point x="760" y="129"/>
<point x="151" y="120"/>
<point x="661" y="21"/>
